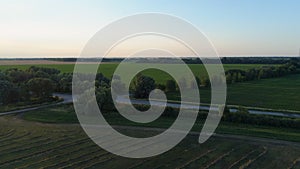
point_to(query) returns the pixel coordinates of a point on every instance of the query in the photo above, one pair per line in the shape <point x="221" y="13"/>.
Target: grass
<point x="25" y="105"/>
<point x="66" y="114"/>
<point x="37" y="145"/>
<point x="281" y="93"/>
<point x="58" y="114"/>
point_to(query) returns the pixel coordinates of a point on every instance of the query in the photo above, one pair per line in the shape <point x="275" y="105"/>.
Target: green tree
<point x="142" y="86"/>
<point x="117" y="85"/>
<point x="18" y="76"/>
<point x="5" y="87"/>
<point x="103" y="97"/>
<point x="170" y="86"/>
<point x="40" y="87"/>
<point x="205" y="82"/>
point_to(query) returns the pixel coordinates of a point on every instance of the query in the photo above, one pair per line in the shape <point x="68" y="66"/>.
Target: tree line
<point x="237" y="75"/>
<point x="36" y="84"/>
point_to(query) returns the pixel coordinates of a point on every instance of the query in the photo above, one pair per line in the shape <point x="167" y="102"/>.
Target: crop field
<point x="278" y="93"/>
<point x="281" y="93"/>
<point x="26" y="144"/>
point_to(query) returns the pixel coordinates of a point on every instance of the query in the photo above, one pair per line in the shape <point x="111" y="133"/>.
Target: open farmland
<point x="275" y="93"/>
<point x="26" y="144"/>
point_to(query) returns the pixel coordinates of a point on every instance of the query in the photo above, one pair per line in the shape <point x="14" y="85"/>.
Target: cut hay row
<point x="27" y="142"/>
<point x="34" y="146"/>
<point x="164" y="158"/>
<point x="112" y="156"/>
<point x="295" y="162"/>
<point x="137" y="164"/>
<point x="69" y="151"/>
<point x="141" y="147"/>
<point x="195" y="159"/>
<point x="74" y="158"/>
<point x="241" y="159"/>
<point x="68" y="162"/>
<point x="218" y="159"/>
<point x="13" y="141"/>
<point x="107" y="156"/>
<point x="249" y="162"/>
<point x="178" y="160"/>
<point x="92" y="165"/>
<point x="10" y="137"/>
<point x="38" y="153"/>
<point x="6" y="133"/>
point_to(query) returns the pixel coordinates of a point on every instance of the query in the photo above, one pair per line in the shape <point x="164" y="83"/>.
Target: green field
<point x="275" y="93"/>
<point x="35" y="145"/>
<point x="278" y="93"/>
<point x="282" y="94"/>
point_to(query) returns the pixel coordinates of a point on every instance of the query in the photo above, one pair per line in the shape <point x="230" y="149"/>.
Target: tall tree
<point x="170" y="86"/>
<point x="40" y="87"/>
<point x="142" y="86"/>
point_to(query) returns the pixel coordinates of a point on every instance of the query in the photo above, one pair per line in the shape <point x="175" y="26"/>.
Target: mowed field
<point x="26" y="144"/>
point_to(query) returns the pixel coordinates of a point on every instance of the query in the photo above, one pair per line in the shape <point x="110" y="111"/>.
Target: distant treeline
<point x="188" y="60"/>
<point x="85" y="60"/>
<point x="259" y="60"/>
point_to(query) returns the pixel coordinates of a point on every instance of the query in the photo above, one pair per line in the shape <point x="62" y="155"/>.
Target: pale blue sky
<point x="62" y="27"/>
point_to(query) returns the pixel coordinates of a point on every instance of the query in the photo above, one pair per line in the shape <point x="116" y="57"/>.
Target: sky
<point x="61" y="28"/>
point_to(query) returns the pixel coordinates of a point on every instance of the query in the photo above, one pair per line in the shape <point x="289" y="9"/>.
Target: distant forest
<point x="188" y="60"/>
